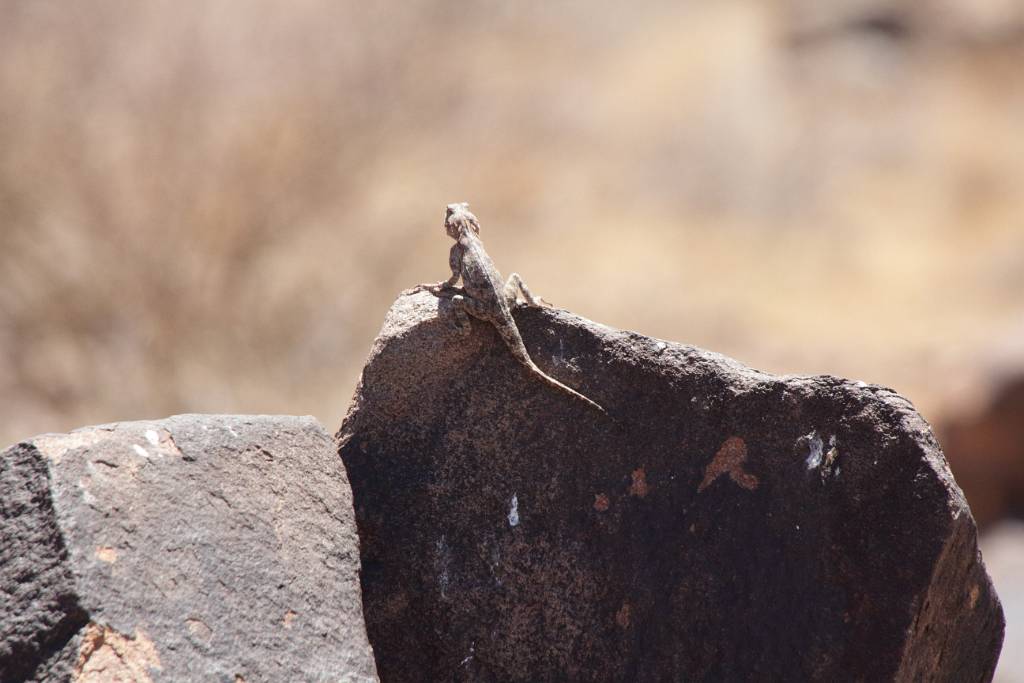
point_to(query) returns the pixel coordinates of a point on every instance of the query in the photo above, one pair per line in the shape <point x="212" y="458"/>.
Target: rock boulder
<point x="721" y="524"/>
<point x="196" y="548"/>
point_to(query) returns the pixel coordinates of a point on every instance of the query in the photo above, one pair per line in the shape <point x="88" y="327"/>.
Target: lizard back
<point x="481" y="278"/>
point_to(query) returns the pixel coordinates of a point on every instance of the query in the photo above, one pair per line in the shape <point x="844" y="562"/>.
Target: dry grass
<point x="209" y="206"/>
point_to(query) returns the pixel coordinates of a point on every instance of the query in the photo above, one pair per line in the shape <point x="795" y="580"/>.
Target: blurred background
<point x="209" y="207"/>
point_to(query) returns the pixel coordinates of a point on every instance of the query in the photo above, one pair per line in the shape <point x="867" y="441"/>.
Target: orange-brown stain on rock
<point x="106" y="554"/>
<point x="289" y="618"/>
<point x="106" y="655"/>
<point x="622" y="616"/>
<point x="729" y="460"/>
<point x="601" y="502"/>
<point x="639" y="486"/>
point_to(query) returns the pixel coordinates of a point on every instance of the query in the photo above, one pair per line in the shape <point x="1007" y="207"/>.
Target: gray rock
<point x="726" y="524"/>
<point x="212" y="548"/>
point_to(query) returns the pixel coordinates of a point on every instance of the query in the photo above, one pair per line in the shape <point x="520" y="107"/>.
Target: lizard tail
<point x="518" y="349"/>
<point x="569" y="390"/>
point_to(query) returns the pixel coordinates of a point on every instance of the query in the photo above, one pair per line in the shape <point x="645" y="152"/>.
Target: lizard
<point x="484" y="296"/>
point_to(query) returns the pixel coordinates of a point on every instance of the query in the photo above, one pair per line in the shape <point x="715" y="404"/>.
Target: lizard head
<point x="458" y="218"/>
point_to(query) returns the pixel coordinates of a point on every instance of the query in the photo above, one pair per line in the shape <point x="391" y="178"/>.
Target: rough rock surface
<point x="212" y="548"/>
<point x="725" y="525"/>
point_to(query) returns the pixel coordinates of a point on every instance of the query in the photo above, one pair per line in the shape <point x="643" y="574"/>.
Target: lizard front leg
<point x="515" y="286"/>
<point x="445" y="286"/>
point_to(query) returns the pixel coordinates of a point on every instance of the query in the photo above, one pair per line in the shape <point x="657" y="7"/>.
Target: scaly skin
<point x="483" y="295"/>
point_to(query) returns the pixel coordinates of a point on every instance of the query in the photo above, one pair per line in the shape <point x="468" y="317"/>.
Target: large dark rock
<point x="726" y="524"/>
<point x="206" y="548"/>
